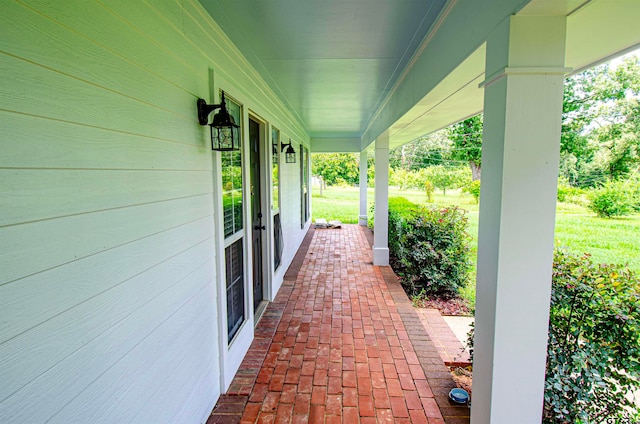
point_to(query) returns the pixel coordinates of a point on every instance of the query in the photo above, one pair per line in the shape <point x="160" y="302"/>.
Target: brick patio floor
<point x="341" y="343"/>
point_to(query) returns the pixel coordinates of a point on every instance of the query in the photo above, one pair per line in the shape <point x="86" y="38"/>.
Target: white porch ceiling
<point x="355" y="69"/>
<point x="332" y="61"/>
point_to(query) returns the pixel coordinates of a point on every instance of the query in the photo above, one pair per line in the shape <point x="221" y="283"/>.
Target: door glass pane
<point x="235" y="288"/>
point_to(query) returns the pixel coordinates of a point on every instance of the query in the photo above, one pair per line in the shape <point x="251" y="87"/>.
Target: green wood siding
<point x="108" y="308"/>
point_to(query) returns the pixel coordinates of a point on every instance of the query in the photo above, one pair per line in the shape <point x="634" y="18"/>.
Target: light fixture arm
<point x="204" y="109"/>
<point x="283" y="145"/>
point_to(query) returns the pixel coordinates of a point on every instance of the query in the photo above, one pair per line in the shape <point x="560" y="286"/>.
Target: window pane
<point x="275" y="170"/>
<point x="232" y="181"/>
<point x="237" y="209"/>
<point x="235" y="288"/>
<point x="304" y="184"/>
<point x="278" y="241"/>
<point x="233" y="222"/>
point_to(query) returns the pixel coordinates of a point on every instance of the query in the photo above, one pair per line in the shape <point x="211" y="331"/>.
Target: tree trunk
<point x="475" y="170"/>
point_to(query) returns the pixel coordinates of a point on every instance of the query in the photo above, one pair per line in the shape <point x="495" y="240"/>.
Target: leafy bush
<point x="429" y="247"/>
<point x="612" y="199"/>
<point x="594" y="342"/>
<point x="398" y="207"/>
<point x="570" y="194"/>
<point x="563" y="189"/>
<point x="473" y="188"/>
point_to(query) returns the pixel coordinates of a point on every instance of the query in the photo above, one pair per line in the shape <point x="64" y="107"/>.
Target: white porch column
<point x="362" y="219"/>
<point x="381" y="215"/>
<point x="520" y="154"/>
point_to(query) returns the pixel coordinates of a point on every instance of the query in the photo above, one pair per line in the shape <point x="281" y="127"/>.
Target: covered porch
<point x="135" y="256"/>
<point x="507" y="60"/>
<point x="341" y="343"/>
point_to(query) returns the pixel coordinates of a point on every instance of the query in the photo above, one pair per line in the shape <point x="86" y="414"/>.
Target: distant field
<point x="577" y="228"/>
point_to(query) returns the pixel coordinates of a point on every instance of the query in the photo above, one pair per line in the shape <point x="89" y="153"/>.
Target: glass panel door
<point x="275" y="197"/>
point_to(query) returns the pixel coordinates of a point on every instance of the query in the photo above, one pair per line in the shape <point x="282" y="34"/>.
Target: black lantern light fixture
<point x="290" y="154"/>
<point x="225" y="133"/>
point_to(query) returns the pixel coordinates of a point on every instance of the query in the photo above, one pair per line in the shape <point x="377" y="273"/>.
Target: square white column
<point x="521" y="143"/>
<point x="362" y="218"/>
<point x="381" y="215"/>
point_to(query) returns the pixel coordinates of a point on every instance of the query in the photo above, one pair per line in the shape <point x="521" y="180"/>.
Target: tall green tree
<point x="336" y="168"/>
<point x="601" y="123"/>
<point x="467" y="143"/>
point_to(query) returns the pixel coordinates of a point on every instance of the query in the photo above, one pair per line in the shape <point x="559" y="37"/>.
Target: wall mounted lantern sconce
<point x="225" y="133"/>
<point x="290" y="154"/>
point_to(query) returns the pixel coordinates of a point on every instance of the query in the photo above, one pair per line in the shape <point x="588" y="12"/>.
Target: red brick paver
<point x="341" y="352"/>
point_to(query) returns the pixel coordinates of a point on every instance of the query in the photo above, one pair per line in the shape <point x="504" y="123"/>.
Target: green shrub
<point x="429" y="247"/>
<point x="401" y="211"/>
<point x="397" y="206"/>
<point x="473" y="188"/>
<point x="612" y="199"/>
<point x="563" y="190"/>
<point x="571" y="194"/>
<point x="594" y="342"/>
<point x="402" y="206"/>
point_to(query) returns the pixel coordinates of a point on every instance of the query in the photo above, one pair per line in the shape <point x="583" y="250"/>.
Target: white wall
<point x="108" y="282"/>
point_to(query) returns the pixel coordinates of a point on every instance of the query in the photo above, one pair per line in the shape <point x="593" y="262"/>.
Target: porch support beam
<point x="381" y="214"/>
<point x="362" y="218"/>
<point x="520" y="154"/>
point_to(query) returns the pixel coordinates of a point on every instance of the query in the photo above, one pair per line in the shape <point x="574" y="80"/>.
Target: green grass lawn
<point x="578" y="229"/>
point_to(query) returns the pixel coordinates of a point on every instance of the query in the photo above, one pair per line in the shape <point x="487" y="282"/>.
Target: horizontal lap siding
<point x="108" y="283"/>
<point x="290" y="195"/>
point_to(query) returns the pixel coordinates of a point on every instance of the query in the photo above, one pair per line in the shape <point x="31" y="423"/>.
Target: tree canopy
<point x="339" y="168"/>
<point x="601" y="123"/>
<point x="467" y="143"/>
